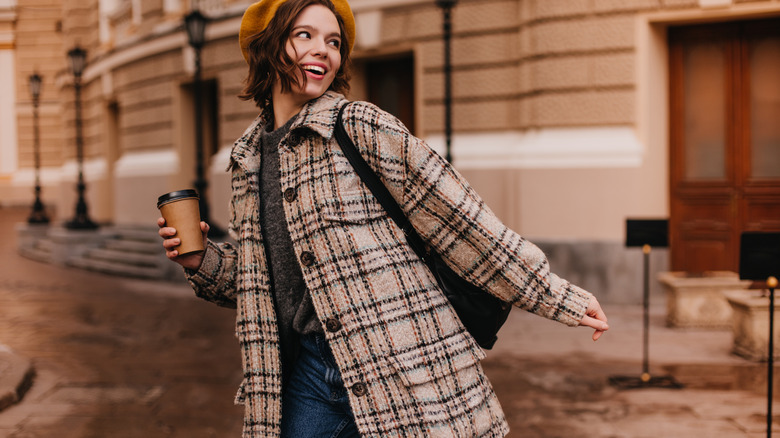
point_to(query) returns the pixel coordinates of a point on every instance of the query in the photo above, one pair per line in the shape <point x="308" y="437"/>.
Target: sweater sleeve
<point x="215" y="279"/>
<point x="455" y="222"/>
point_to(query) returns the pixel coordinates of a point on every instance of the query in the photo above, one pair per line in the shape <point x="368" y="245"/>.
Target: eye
<point x="335" y="43"/>
<point x="302" y="34"/>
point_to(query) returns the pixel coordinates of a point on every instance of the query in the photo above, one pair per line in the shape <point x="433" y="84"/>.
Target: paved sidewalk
<point x="129" y="358"/>
<point x="553" y="380"/>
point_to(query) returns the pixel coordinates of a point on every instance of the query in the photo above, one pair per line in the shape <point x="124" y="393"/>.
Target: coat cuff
<point x="574" y="305"/>
<point x="210" y="281"/>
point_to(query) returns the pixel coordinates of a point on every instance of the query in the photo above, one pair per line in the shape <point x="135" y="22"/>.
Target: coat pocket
<point x="343" y="196"/>
<point x="444" y="381"/>
<point x="354" y="209"/>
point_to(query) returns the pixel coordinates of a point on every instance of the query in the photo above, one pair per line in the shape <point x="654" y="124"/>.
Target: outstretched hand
<point x="595" y="318"/>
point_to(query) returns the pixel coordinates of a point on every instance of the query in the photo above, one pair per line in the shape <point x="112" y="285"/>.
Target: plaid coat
<point x="410" y="367"/>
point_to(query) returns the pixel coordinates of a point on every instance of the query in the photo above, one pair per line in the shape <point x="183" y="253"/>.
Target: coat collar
<point x="318" y="115"/>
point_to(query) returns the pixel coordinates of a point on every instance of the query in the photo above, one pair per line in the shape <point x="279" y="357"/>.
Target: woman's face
<point x="314" y="45"/>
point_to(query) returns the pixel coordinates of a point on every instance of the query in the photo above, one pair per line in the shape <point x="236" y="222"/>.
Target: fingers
<point x="598" y="325"/>
<point x="594" y="323"/>
<point x="165" y="232"/>
<point x="595" y="318"/>
<point x="169" y="241"/>
<point x="169" y="244"/>
<point x="598" y="312"/>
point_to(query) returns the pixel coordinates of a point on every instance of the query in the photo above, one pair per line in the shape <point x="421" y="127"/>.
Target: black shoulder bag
<point x="481" y="313"/>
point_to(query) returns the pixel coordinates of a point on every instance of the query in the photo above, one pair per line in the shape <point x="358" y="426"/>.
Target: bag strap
<point x="377" y="188"/>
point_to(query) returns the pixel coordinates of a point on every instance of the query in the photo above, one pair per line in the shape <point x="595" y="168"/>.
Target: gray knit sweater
<point x="294" y="307"/>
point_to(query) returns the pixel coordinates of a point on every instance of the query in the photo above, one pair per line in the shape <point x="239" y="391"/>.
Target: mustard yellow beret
<point x="258" y="15"/>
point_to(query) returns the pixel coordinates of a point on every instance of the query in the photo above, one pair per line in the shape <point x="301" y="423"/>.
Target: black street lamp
<point x="38" y="214"/>
<point x="81" y="221"/>
<point x="446" y="7"/>
<point x="195" y="23"/>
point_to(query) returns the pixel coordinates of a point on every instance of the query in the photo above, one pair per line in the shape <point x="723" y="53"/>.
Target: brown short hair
<point x="269" y="61"/>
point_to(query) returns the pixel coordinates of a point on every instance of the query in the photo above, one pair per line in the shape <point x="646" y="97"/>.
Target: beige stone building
<point x="568" y="115"/>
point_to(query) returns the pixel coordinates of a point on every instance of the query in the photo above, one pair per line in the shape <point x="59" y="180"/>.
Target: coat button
<point x="359" y="389"/>
<point x="290" y="194"/>
<point x="333" y="325"/>
<point x="307" y="258"/>
<point x="295" y="138"/>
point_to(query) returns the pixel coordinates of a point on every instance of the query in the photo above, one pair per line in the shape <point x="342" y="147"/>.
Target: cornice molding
<point x="550" y="148"/>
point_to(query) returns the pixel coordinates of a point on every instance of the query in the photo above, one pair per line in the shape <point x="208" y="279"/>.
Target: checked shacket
<point x="410" y="368"/>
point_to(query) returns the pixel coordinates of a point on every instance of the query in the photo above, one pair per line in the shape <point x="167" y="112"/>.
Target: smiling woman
<point x="284" y="60"/>
<point x="344" y="331"/>
<point x="315" y="47"/>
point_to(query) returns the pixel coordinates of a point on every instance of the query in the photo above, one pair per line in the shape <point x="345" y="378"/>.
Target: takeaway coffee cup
<point x="181" y="210"/>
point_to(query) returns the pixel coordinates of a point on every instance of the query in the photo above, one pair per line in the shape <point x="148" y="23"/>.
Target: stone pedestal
<point x="751" y="324"/>
<point x="699" y="300"/>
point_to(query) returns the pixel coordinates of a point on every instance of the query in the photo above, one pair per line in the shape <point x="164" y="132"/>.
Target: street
<point x="115" y="357"/>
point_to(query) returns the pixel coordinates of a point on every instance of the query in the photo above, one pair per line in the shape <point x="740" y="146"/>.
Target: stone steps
<point x="130" y="251"/>
<point x="93" y="262"/>
<point x="40" y="251"/>
<point x="125" y="250"/>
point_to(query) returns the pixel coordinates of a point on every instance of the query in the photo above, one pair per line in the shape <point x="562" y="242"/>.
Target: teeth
<point x="314" y="69"/>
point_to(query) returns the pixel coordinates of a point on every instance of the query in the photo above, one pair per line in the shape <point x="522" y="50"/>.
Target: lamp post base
<point x="644" y="381"/>
<point x="81" y="220"/>
<point x="38" y="215"/>
<point x="38" y="218"/>
<point x="81" y="223"/>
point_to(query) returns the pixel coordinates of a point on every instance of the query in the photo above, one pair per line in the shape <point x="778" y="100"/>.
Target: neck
<point x="283" y="113"/>
<point x="284" y="106"/>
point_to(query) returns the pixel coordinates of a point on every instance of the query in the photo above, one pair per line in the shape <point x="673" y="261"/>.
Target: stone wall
<point x="609" y="270"/>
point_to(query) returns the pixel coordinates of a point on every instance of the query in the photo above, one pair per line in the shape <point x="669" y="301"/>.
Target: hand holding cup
<point x="183" y="232"/>
<point x="190" y="260"/>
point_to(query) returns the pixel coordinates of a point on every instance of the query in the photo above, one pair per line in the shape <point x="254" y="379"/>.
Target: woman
<point x="343" y="330"/>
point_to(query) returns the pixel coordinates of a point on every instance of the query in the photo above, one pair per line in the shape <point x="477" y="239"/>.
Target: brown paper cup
<point x="181" y="210"/>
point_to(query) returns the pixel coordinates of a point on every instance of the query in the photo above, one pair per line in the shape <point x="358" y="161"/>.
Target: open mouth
<point x="317" y="70"/>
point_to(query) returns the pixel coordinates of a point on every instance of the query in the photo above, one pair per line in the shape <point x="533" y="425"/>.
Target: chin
<point x="313" y="94"/>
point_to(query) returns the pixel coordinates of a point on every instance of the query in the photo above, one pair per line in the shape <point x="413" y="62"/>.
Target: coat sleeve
<point x="215" y="279"/>
<point x="455" y="222"/>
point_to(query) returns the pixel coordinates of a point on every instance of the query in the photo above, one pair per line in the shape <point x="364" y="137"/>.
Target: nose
<point x="320" y="48"/>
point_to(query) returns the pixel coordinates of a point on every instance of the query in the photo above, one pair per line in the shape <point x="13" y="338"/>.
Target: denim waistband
<point x="317" y="346"/>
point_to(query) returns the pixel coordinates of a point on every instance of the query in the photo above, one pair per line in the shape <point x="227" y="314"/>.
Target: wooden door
<point x="391" y="86"/>
<point x="724" y="139"/>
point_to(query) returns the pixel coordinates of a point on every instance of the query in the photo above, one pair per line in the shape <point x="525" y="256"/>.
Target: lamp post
<point x="195" y="23"/>
<point x="446" y="7"/>
<point x="38" y="214"/>
<point x="81" y="221"/>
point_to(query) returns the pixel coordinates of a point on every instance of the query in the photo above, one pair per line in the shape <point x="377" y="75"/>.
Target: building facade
<point x="565" y="114"/>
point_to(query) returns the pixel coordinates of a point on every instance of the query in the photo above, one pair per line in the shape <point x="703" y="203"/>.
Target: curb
<point x="16" y="377"/>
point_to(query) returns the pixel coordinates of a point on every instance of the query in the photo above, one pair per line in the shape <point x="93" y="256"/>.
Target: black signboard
<point x="759" y="256"/>
<point x="653" y="232"/>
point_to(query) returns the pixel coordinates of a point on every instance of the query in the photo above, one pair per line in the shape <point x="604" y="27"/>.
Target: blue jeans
<point x="315" y="401"/>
